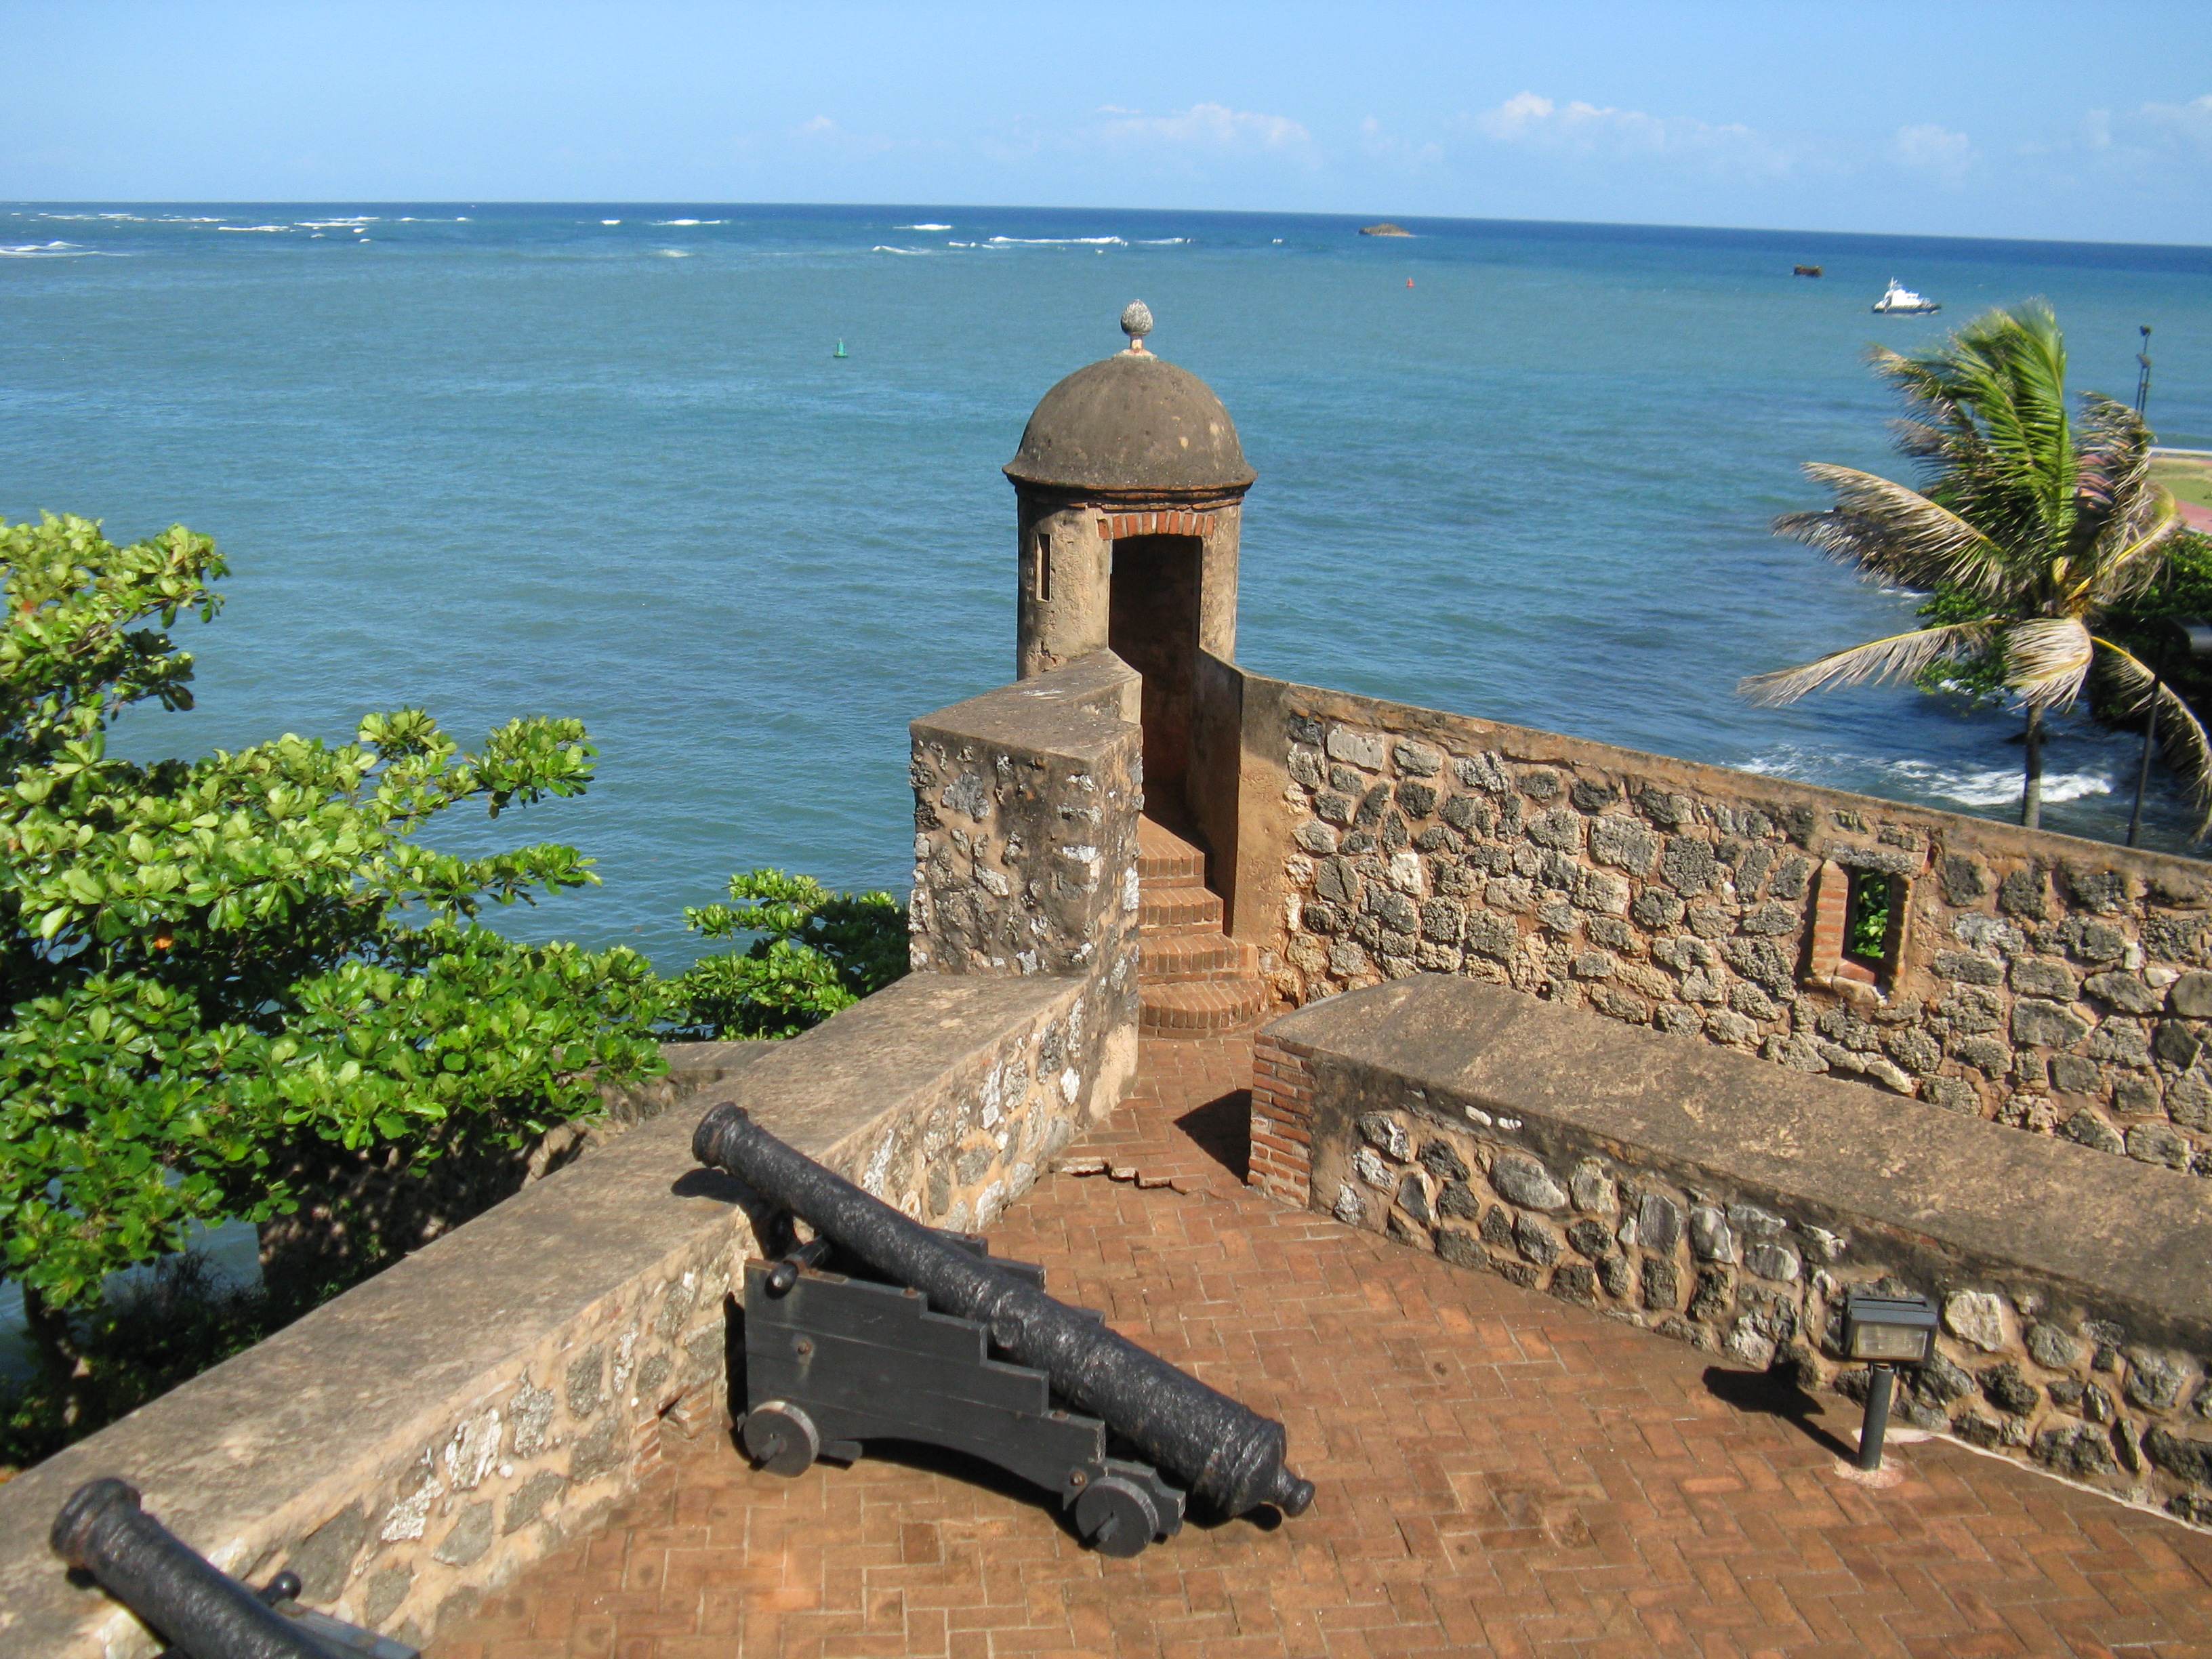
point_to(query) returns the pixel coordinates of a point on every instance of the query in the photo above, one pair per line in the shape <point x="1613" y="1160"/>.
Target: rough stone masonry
<point x="2055" y="986"/>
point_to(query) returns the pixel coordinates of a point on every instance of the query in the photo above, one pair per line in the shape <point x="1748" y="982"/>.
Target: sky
<point x="2069" y="121"/>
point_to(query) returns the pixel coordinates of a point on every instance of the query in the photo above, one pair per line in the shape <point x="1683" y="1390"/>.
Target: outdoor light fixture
<point x="1886" y="1332"/>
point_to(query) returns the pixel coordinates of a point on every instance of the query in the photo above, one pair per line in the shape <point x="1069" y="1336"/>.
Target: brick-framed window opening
<point x="1869" y="922"/>
<point x="1858" y="927"/>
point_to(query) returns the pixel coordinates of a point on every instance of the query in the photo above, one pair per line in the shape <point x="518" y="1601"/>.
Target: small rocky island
<point x="1385" y="229"/>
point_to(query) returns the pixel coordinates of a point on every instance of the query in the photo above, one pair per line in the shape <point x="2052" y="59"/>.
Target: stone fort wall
<point x="2054" y="985"/>
<point x="1693" y="1191"/>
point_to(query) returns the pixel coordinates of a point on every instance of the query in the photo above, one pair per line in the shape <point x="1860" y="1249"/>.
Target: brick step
<point x="1180" y="907"/>
<point x="1163" y="856"/>
<point x="1183" y="958"/>
<point x="1206" y="1009"/>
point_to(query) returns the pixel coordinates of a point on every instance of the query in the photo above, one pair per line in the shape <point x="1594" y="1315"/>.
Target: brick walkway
<point x="1498" y="1472"/>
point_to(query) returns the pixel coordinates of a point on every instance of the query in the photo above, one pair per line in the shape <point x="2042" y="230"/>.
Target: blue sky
<point x="1957" y="116"/>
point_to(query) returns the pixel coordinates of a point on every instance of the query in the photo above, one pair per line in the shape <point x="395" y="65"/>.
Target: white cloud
<point x="2186" y="126"/>
<point x="1207" y="127"/>
<point x="1534" y="122"/>
<point x="1929" y="148"/>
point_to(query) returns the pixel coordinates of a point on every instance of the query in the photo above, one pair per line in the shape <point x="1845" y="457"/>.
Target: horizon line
<point x="979" y="207"/>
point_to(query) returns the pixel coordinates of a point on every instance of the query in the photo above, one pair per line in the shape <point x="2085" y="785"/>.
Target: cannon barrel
<point x="1230" y="1455"/>
<point x="204" y="1612"/>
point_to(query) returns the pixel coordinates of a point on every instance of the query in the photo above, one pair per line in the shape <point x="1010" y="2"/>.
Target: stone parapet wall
<point x="1692" y="1191"/>
<point x="2051" y="984"/>
<point x="415" y="1442"/>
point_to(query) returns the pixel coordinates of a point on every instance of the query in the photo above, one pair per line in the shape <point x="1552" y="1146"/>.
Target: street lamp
<point x="2196" y="636"/>
<point x="1886" y="1332"/>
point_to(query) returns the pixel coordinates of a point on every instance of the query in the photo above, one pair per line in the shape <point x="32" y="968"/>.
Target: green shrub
<point x="224" y="973"/>
<point x="815" y="951"/>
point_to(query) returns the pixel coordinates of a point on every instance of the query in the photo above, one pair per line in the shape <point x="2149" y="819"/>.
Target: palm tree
<point x="2029" y="529"/>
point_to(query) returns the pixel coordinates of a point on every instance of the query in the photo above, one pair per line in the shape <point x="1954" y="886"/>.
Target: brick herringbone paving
<point x="1499" y="1473"/>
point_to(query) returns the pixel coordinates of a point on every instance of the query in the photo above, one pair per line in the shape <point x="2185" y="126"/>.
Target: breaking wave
<point x="1059" y="242"/>
<point x="1978" y="786"/>
<point x="886" y="247"/>
<point x="921" y="227"/>
<point x="45" y="251"/>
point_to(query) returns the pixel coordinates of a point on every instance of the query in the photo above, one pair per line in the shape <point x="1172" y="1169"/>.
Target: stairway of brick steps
<point x="1195" y="981"/>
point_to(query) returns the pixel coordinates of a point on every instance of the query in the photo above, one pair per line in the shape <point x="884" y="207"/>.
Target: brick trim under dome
<point x="1155" y="524"/>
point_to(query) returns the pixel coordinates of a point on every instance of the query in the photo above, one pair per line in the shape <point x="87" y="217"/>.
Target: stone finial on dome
<point x="1136" y="323"/>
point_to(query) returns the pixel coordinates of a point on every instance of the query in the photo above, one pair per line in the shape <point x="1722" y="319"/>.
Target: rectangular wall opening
<point x="1152" y="626"/>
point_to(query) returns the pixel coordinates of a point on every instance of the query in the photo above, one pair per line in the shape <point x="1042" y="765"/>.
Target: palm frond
<point x="2181" y="738"/>
<point x="1997" y="388"/>
<point x="2046" y="659"/>
<point x="2126" y="516"/>
<point x="1899" y="657"/>
<point x="1887" y="530"/>
<point x="2124" y="572"/>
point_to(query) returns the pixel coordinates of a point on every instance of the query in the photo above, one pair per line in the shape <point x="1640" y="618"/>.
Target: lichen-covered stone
<point x="1658" y="1223"/>
<point x="1976" y="1317"/>
<point x="2004" y="1387"/>
<point x="1710" y="1239"/>
<point x="2154" y="1380"/>
<point x="1387" y="1133"/>
<point x="1521" y="1180"/>
<point x="2053" y="1349"/>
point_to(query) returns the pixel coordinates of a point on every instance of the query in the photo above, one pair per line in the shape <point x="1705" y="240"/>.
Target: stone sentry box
<point x="1129" y="484"/>
<point x="1730" y="1203"/>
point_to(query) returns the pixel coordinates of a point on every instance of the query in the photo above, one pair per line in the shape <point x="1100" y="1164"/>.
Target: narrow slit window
<point x="1869" y="922"/>
<point x="1044" y="569"/>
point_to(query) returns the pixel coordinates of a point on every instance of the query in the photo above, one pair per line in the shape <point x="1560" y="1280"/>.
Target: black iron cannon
<point x="883" y="1327"/>
<point x="202" y="1611"/>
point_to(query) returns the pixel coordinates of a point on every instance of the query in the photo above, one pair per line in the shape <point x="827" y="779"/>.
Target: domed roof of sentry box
<point x="1131" y="422"/>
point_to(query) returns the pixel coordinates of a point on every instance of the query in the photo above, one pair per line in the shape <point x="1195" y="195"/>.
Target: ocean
<point x="601" y="461"/>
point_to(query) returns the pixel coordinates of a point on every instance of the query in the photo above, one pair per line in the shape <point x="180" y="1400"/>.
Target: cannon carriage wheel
<point x="781" y="1438"/>
<point x="1115" y="1517"/>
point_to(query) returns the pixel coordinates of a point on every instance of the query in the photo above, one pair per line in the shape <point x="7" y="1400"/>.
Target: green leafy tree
<point x="815" y="951"/>
<point x="2030" y="528"/>
<point x="229" y="977"/>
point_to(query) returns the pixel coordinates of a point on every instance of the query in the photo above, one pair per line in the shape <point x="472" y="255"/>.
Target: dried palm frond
<point x="2181" y="738"/>
<point x="1887" y="530"/>
<point x="1899" y="657"/>
<point x="2046" y="659"/>
<point x="2128" y="567"/>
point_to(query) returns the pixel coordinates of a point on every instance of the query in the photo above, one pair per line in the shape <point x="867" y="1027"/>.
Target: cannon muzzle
<point x="1232" y="1455"/>
<point x="204" y="1612"/>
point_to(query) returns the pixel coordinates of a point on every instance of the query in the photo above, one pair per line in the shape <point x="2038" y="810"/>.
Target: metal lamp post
<point x="2196" y="636"/>
<point x="1886" y="1332"/>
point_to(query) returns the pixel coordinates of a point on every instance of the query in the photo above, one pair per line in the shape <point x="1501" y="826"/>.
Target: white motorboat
<point x="1900" y="300"/>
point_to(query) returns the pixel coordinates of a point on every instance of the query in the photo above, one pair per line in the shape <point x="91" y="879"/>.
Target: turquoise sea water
<point x="600" y="461"/>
